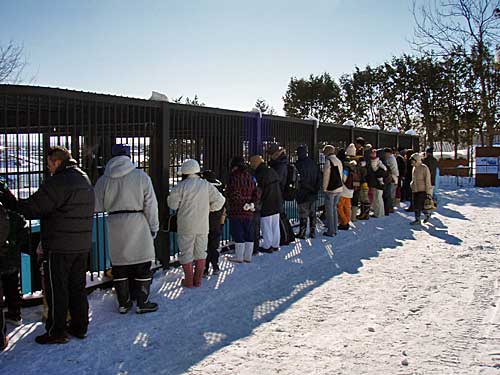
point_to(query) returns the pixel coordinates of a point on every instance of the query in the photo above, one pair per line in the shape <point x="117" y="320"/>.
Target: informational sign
<point x="487" y="160"/>
<point x="487" y="165"/>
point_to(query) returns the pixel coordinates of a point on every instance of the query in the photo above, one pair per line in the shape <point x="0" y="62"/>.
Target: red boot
<point x="187" y="282"/>
<point x="4" y="344"/>
<point x="198" y="272"/>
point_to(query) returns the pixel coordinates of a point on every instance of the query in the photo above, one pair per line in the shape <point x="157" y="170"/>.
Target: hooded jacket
<point x="64" y="203"/>
<point x="123" y="187"/>
<point x="194" y="198"/>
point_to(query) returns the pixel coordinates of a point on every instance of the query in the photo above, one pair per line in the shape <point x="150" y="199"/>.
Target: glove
<point x="249" y="207"/>
<point x="153" y="234"/>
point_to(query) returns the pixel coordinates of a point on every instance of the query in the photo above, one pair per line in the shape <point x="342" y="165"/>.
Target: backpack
<point x="349" y="182"/>
<point x="335" y="181"/>
<point x="292" y="183"/>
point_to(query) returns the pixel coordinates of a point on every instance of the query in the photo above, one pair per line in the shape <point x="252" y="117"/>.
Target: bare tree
<point x="446" y="24"/>
<point x="12" y="63"/>
<point x="473" y="25"/>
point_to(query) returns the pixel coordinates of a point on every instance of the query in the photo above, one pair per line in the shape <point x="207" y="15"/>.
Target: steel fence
<point x="161" y="134"/>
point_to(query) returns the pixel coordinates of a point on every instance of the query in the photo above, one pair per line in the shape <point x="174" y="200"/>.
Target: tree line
<point x="448" y="90"/>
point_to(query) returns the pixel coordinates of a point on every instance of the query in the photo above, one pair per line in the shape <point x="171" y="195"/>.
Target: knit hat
<point x="190" y="166"/>
<point x="417" y="157"/>
<point x="256" y="161"/>
<point x="238" y="162"/>
<point x="328" y="150"/>
<point x="350" y="150"/>
<point x="120" y="150"/>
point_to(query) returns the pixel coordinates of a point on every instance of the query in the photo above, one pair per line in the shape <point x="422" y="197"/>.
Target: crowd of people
<point x="358" y="183"/>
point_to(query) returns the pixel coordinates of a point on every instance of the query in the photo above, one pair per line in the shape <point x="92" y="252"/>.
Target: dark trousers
<point x="65" y="279"/>
<point x="386" y="196"/>
<point x="307" y="210"/>
<point x="256" y="231"/>
<point x="242" y="230"/>
<point x="132" y="272"/>
<point x="3" y="328"/>
<point x="213" y="250"/>
<point x="12" y="292"/>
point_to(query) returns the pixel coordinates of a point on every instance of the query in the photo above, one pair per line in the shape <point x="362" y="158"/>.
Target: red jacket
<point x="241" y="189"/>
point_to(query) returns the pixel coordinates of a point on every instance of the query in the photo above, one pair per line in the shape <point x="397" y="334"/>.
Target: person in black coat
<point x="5" y="252"/>
<point x="402" y="174"/>
<point x="431" y="163"/>
<point x="307" y="195"/>
<point x="64" y="203"/>
<point x="279" y="162"/>
<point x="406" y="189"/>
<point x="271" y="203"/>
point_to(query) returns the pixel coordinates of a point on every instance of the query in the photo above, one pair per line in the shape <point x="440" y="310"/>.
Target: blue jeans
<point x="332" y="218"/>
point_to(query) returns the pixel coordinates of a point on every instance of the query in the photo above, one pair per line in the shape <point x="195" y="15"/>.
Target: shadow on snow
<point x="193" y="324"/>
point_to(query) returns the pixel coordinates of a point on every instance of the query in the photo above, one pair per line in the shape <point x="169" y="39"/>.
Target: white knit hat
<point x="190" y="166"/>
<point x="350" y="150"/>
<point x="416" y="156"/>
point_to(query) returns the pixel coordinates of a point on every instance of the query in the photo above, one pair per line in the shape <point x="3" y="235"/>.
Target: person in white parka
<point x="126" y="194"/>
<point x="193" y="198"/>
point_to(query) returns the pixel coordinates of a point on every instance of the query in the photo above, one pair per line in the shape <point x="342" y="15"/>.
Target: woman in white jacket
<point x="127" y="194"/>
<point x="193" y="198"/>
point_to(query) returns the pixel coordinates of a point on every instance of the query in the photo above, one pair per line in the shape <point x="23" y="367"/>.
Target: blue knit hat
<point x="120" y="150"/>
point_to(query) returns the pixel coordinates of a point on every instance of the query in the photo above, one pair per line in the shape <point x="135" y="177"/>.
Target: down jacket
<point x="64" y="203"/>
<point x="194" y="198"/>
<point x="123" y="187"/>
<point x="421" y="179"/>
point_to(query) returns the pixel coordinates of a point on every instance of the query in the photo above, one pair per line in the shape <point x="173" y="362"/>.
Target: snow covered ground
<point x="384" y="298"/>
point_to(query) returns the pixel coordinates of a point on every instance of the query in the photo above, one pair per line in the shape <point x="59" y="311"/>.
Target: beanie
<point x="350" y="150"/>
<point x="120" y="150"/>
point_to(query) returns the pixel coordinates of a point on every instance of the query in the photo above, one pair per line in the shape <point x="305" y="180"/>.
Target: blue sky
<point x="229" y="52"/>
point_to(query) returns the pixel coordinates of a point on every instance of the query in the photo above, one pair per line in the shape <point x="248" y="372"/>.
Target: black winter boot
<point x="302" y="230"/>
<point x="123" y="295"/>
<point x="312" y="227"/>
<point x="143" y="304"/>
